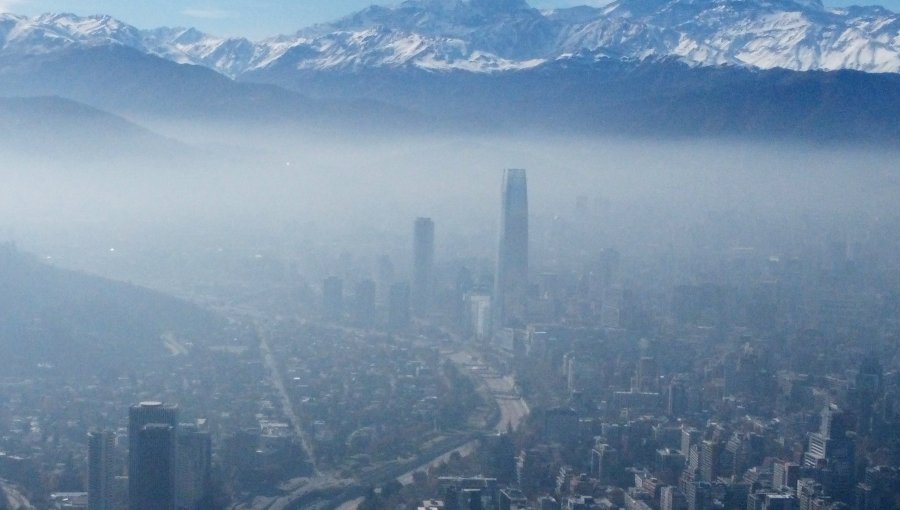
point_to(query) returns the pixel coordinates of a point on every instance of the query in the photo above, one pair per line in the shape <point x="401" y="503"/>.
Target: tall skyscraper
<point x="423" y="266"/>
<point x="156" y="469"/>
<point x="511" y="276"/>
<point x="831" y="448"/>
<point x="151" y="456"/>
<point x="101" y="469"/>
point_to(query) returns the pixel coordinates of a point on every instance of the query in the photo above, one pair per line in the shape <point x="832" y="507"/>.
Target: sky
<point x="251" y="18"/>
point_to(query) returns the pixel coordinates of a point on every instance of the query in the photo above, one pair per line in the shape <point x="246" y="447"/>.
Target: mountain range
<point x="684" y="67"/>
<point x="498" y="35"/>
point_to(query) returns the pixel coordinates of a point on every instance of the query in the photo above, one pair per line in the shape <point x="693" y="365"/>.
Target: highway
<point x="286" y="403"/>
<point x="512" y="412"/>
<point x="513" y="408"/>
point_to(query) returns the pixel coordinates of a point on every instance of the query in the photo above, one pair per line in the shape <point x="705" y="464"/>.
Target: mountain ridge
<point x="484" y="36"/>
<point x="611" y="97"/>
<point x="49" y="126"/>
<point x="82" y="322"/>
<point x="367" y="74"/>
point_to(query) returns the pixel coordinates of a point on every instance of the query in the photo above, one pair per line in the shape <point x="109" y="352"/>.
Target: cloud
<point x="203" y="13"/>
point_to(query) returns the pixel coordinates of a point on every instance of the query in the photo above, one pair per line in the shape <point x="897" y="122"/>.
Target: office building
<point x="709" y="460"/>
<point x="785" y="475"/>
<point x="423" y="266"/>
<point x="879" y="489"/>
<point x="101" y="470"/>
<point x="605" y="464"/>
<point x="832" y="449"/>
<point x="646" y="378"/>
<point x="155" y="469"/>
<point x="193" y="467"/>
<point x="478" y="315"/>
<point x="689" y="437"/>
<point x="151" y="456"/>
<point x="671" y="498"/>
<point x="547" y="503"/>
<point x="511" y="274"/>
<point x="512" y="499"/>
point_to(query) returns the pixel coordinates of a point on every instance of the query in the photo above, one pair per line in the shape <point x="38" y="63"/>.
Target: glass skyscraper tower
<point x="511" y="275"/>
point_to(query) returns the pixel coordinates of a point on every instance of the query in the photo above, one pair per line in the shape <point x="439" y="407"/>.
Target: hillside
<point x="77" y="322"/>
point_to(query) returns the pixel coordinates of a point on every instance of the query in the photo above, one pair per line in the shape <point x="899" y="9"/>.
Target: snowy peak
<point x="492" y="36"/>
<point x="510" y="29"/>
<point x="793" y="34"/>
<point x="659" y="8"/>
<point x="51" y="32"/>
<point x="502" y="35"/>
<point x="229" y="56"/>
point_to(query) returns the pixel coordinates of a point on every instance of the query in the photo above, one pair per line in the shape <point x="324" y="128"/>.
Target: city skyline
<point x="457" y="255"/>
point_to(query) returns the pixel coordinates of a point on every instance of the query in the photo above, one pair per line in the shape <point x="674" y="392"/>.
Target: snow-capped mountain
<point x="497" y="35"/>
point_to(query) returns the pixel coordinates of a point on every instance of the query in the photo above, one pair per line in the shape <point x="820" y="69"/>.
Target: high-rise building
<point x="477" y="315"/>
<point x="646" y="378"/>
<point x="151" y="456"/>
<point x="831" y="448"/>
<point x="101" y="470"/>
<point x="155" y="469"/>
<point x="785" y="475"/>
<point x="512" y="499"/>
<point x="332" y="298"/>
<point x="709" y="460"/>
<point x="423" y="266"/>
<point x="605" y="464"/>
<point x="810" y="495"/>
<point x="193" y="466"/>
<point x="511" y="275"/>
<point x="671" y="498"/>
<point x="879" y="488"/>
<point x="689" y="436"/>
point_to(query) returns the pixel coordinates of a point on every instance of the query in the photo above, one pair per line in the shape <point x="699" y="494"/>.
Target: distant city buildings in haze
<point x="398" y="306"/>
<point x="332" y="298"/>
<point x="511" y="275"/>
<point x="364" y="312"/>
<point x="423" y="266"/>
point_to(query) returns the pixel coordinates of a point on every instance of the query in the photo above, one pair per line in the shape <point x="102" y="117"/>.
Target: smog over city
<point x="450" y="254"/>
